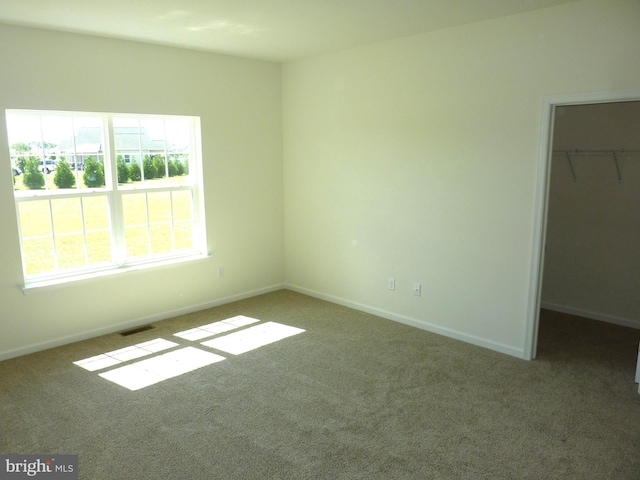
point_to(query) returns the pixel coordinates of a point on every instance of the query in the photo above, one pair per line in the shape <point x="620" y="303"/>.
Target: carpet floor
<point x="352" y="396"/>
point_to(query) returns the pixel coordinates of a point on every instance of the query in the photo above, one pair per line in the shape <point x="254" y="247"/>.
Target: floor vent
<point x="144" y="328"/>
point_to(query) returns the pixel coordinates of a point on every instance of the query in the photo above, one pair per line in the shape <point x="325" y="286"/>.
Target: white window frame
<point x="114" y="194"/>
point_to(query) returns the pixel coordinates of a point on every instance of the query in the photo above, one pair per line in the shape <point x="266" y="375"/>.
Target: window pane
<point x="184" y="236"/>
<point x="35" y="218"/>
<point x="67" y="215"/>
<point x="152" y="151"/>
<point x="182" y="205"/>
<point x="55" y="131"/>
<point x="84" y="151"/>
<point x="29" y="152"/>
<point x="94" y="171"/>
<point x="96" y="213"/>
<point x="99" y="247"/>
<point x="81" y="234"/>
<point x="97" y="224"/>
<point x="178" y="150"/>
<point x="40" y="143"/>
<point x="37" y="240"/>
<point x="183" y="220"/>
<point x="161" y="239"/>
<point x="160" y="222"/>
<point x="136" y="229"/>
<point x="70" y="249"/>
<point x="69" y="223"/>
<point x="68" y="230"/>
<point x="135" y="209"/>
<point x="154" y="161"/>
<point x="137" y="241"/>
<point x="128" y="147"/>
<point x="37" y="253"/>
<point x="159" y="207"/>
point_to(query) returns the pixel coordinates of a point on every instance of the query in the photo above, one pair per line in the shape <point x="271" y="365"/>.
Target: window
<point x="102" y="192"/>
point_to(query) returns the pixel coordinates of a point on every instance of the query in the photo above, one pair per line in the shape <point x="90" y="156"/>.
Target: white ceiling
<point x="276" y="30"/>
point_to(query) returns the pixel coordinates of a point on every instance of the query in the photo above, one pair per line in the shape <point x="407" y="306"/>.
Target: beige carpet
<point x="352" y="397"/>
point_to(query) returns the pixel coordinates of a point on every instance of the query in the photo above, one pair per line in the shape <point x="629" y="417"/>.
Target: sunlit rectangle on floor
<point x="252" y="337"/>
<point x="153" y="370"/>
<point x="215" y="328"/>
<point x="115" y="357"/>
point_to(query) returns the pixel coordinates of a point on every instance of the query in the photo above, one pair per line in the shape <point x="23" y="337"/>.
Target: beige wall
<point x="417" y="159"/>
<point x="592" y="260"/>
<point x="239" y="102"/>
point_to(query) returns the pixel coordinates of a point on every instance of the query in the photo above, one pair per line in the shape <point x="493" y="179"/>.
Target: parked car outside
<point x="47" y="166"/>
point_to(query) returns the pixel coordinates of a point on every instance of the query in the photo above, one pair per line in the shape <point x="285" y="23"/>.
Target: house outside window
<point x="100" y="193"/>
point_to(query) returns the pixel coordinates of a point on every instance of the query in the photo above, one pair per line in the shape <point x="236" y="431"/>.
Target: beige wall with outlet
<point x="417" y="159"/>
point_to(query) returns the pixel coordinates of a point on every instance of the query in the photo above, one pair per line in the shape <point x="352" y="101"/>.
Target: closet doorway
<point x="586" y="258"/>
<point x="592" y="244"/>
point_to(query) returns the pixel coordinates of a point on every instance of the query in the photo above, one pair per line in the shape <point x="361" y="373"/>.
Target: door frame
<point x="549" y="104"/>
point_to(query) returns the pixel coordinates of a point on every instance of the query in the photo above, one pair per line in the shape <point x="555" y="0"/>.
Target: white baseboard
<point x="36" y="347"/>
<point x="603" y="317"/>
<point x="414" y="322"/>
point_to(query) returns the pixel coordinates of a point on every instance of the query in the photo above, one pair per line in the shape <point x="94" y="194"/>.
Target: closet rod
<point x="598" y="153"/>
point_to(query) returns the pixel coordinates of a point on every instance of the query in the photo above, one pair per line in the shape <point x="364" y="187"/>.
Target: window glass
<point x="36" y="235"/>
<point x="39" y="144"/>
<point x="152" y="151"/>
<point x="102" y="191"/>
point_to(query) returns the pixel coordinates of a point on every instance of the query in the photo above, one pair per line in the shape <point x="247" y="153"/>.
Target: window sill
<point x="35" y="286"/>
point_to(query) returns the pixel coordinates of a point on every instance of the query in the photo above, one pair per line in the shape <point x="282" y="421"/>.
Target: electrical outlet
<point x="392" y="283"/>
<point x="417" y="289"/>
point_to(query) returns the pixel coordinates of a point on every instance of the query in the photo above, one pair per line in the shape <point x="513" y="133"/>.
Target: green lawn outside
<point x="162" y="233"/>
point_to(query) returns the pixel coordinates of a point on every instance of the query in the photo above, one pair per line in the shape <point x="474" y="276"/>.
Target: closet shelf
<point x="614" y="154"/>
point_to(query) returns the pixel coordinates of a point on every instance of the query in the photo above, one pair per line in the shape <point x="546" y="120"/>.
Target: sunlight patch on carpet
<point x="154" y="370"/>
<point x="252" y="338"/>
<point x="165" y="365"/>
<point x="115" y="357"/>
<point x="216" y="328"/>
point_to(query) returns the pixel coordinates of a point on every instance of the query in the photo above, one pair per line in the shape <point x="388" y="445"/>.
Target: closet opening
<point x="586" y="258"/>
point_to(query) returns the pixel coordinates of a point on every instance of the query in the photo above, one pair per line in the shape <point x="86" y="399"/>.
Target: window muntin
<point x="101" y="218"/>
